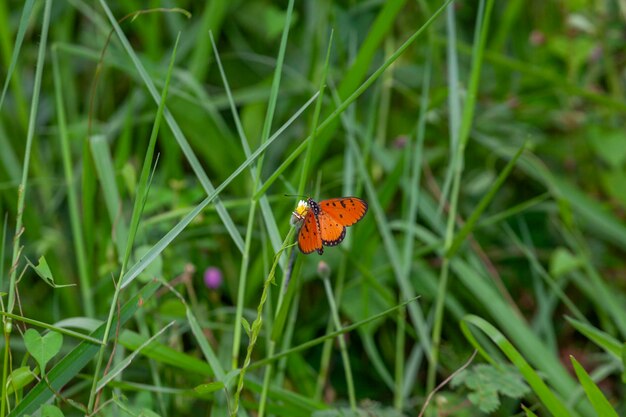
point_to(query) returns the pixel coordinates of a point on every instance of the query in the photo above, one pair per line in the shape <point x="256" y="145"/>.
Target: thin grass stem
<point x="342" y="341"/>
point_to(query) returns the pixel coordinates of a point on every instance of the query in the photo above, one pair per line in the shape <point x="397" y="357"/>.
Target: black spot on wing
<point x="311" y="241"/>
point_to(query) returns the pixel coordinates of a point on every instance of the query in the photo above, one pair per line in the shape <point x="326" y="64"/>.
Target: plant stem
<point x="255" y="328"/>
<point x="342" y="342"/>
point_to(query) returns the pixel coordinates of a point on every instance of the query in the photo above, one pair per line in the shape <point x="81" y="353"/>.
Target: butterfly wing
<point x="331" y="231"/>
<point x="309" y="237"/>
<point x="345" y="210"/>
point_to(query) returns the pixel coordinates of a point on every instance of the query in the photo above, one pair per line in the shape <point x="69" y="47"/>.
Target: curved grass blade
<point x="554" y="404"/>
<point x="604" y="340"/>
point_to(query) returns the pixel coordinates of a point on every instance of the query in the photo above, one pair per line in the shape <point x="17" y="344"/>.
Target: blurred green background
<point x="487" y="137"/>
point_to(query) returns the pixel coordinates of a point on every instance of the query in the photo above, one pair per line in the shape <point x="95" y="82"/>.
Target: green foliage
<point x="155" y="269"/>
<point x="563" y="262"/>
<point x="487" y="383"/>
<point x="42" y="348"/>
<point x="49" y="410"/>
<point x="146" y="153"/>
<point x="602" y="406"/>
<point x="364" y="410"/>
<point x="43" y="270"/>
<point x="209" y="388"/>
<point x="19" y="379"/>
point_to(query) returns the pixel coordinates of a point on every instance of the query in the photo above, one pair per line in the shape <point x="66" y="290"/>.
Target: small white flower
<point x="301" y="210"/>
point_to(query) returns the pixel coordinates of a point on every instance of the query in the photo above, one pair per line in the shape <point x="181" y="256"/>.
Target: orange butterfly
<point x="325" y="222"/>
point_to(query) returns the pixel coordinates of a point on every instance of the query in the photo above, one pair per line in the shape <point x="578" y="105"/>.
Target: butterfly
<point x="324" y="223"/>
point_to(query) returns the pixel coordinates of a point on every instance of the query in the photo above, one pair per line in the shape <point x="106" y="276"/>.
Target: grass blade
<point x="598" y="400"/>
<point x="176" y="130"/>
<point x="41" y="58"/>
<point x="72" y="197"/>
<point x="555" y="405"/>
<point x="106" y="174"/>
<point x="330" y="122"/>
<point x="482" y="205"/>
<point x="529" y="343"/>
<point x="68" y="367"/>
<point x="17" y="48"/>
<point x="331" y="335"/>
<point x="119" y="368"/>
<point x="602" y="339"/>
<point x="138" y="268"/>
<point x="483" y="19"/>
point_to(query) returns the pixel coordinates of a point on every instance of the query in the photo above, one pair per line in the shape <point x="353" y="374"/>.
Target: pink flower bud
<point x="213" y="277"/>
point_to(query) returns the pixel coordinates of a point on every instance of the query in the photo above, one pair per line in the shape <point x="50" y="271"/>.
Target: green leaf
<point x="563" y="262"/>
<point x="482" y="381"/>
<point x="49" y="410"/>
<point x="528" y="411"/>
<point x="43" y="270"/>
<point x="613" y="183"/>
<point x="209" y="388"/>
<point x="510" y="383"/>
<point x="609" y="145"/>
<point x="487" y="381"/>
<point x="129" y="175"/>
<point x="19" y="378"/>
<point x="122" y="365"/>
<point x="611" y="345"/>
<point x="17" y="46"/>
<point x="547" y="397"/>
<point x="172" y="308"/>
<point x="42" y="348"/>
<point x="154" y="269"/>
<point x="598" y="400"/>
<point x="205" y="347"/>
<point x="487" y="400"/>
<point x="246" y="325"/>
<point x="68" y="367"/>
<point x="145" y="412"/>
<point x="469" y="225"/>
<point x="460" y="378"/>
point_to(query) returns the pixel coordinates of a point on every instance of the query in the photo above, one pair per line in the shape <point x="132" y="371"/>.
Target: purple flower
<point x="400" y="142"/>
<point x="213" y="277"/>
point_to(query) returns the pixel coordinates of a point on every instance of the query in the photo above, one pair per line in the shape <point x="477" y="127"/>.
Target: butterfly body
<point x="324" y="223"/>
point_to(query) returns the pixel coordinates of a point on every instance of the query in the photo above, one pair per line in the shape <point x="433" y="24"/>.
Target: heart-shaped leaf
<point x="42" y="348"/>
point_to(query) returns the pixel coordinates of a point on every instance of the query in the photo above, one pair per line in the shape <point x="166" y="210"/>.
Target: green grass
<point x="142" y="149"/>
